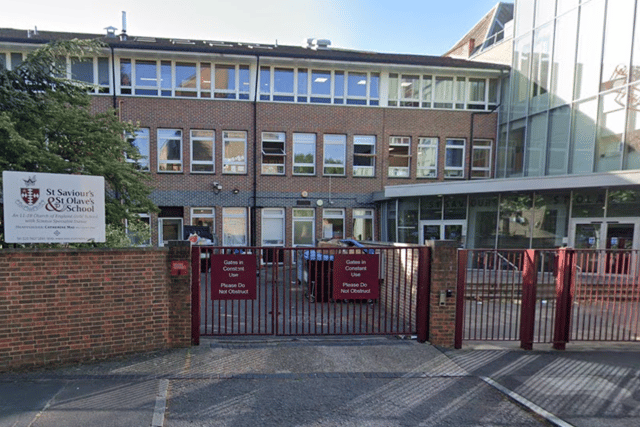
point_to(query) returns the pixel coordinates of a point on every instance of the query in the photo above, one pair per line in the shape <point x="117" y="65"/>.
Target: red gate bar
<point x="528" y="315"/>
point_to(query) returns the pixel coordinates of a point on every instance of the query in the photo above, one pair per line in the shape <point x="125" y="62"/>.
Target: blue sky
<point x="427" y="27"/>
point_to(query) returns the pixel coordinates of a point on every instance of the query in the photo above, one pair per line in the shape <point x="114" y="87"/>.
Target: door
<point x="443" y="230"/>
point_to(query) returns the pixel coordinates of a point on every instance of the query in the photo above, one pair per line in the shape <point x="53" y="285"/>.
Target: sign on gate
<point x="233" y="277"/>
<point x="355" y="276"/>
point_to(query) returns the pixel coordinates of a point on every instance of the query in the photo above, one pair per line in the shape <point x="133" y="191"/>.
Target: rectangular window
<point x="273" y="153"/>
<point x="140" y="234"/>
<point x="225" y="81"/>
<point x="357" y="88"/>
<point x="303" y="84"/>
<point x="82" y="70"/>
<point x="273" y="227"/>
<point x="303" y="227"/>
<point x="364" y="155"/>
<point x="427" y="91"/>
<point x="186" y="79"/>
<point x="265" y="83"/>
<point x="374" y="89"/>
<point x="338" y="89"/>
<point x="166" y="78"/>
<point x="205" y="80"/>
<point x="399" y="156"/>
<point x="443" y="94"/>
<point x="335" y="154"/>
<point x="243" y="82"/>
<point x="146" y="78"/>
<point x="283" y="84"/>
<point x="477" y="94"/>
<point x="204" y="217"/>
<point x="363" y="224"/>
<point x="202" y="151"/>
<point x="481" y="158"/>
<point x="409" y="91"/>
<point x="234" y="227"/>
<point x="169" y="150"/>
<point x="454" y="158"/>
<point x="304" y="154"/>
<point x="126" y="77"/>
<point x="3" y="61"/>
<point x="427" y="164"/>
<point x="169" y="229"/>
<point x="140" y="140"/>
<point x="234" y="157"/>
<point x="333" y="224"/>
<point x="321" y="86"/>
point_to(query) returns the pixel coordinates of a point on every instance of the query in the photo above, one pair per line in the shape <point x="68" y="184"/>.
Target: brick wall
<point x="443" y="278"/>
<point x="60" y="306"/>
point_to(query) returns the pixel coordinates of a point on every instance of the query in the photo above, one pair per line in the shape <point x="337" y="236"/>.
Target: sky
<point x="424" y="27"/>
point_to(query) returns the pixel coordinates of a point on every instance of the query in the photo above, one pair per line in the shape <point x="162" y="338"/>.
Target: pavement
<point x="334" y="381"/>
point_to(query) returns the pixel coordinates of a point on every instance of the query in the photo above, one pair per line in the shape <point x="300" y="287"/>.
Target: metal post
<point x="195" y="295"/>
<point x="563" y="298"/>
<point x="528" y="313"/>
<point x="424" y="290"/>
<point x="461" y="285"/>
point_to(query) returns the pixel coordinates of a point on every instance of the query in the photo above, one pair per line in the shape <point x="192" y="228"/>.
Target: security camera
<point x="217" y="187"/>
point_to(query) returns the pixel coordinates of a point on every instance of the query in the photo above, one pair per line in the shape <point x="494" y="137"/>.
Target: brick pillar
<point x="180" y="296"/>
<point x="442" y="317"/>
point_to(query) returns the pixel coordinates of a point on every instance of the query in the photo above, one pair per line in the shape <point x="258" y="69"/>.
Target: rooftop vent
<point x="111" y="32"/>
<point x="123" y="34"/>
<point x="259" y="46"/>
<point x="146" y="39"/>
<point x="181" y="41"/>
<point x="218" y="43"/>
<point x="322" y="44"/>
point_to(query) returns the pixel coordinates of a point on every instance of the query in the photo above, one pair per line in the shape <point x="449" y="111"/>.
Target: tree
<point x="47" y="125"/>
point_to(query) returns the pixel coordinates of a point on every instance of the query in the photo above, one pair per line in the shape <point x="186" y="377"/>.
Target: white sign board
<point x="53" y="208"/>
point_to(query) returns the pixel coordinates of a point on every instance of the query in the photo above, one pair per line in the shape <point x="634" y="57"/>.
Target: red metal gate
<point x="548" y="296"/>
<point x="294" y="292"/>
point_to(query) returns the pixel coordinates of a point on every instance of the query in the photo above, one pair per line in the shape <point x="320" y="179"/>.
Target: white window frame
<point x="274" y="138"/>
<point x="335" y="140"/>
<point x="427" y="144"/>
<point x="400" y="171"/>
<point x="444" y="102"/>
<point x="364" y="140"/>
<point x="231" y="213"/>
<point x="454" y="172"/>
<point x="238" y="92"/>
<point x="304" y="139"/>
<point x="142" y="216"/>
<point x="96" y="86"/>
<point x="321" y="98"/>
<point x="209" y="213"/>
<point x="273" y="214"/>
<point x="211" y="138"/>
<point x="332" y="214"/>
<point x="169" y="162"/>
<point x="363" y="214"/>
<point x="161" y="241"/>
<point x="229" y="165"/>
<point x="295" y="218"/>
<point x="145" y="155"/>
<point x="482" y="145"/>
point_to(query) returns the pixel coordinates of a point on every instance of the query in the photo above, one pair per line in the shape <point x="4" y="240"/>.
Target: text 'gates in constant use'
<point x="355" y="276"/>
<point x="233" y="277"/>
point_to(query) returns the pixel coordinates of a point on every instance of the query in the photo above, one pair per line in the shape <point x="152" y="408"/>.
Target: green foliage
<point x="47" y="125"/>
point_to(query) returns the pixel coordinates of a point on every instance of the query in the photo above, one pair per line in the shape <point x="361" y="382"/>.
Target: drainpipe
<point x="113" y="76"/>
<point x="255" y="155"/>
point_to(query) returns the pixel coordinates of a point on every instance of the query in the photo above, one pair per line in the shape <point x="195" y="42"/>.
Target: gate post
<point x="179" y="293"/>
<point x="565" y="264"/>
<point x="195" y="295"/>
<point x="424" y="284"/>
<point x="528" y="313"/>
<point x="442" y="307"/>
<point x="463" y="256"/>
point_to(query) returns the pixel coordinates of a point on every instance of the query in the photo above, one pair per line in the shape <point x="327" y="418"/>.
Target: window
<point x="169" y="229"/>
<point x="399" y="156"/>
<point x="234" y="226"/>
<point x="364" y="155"/>
<point x="140" y="140"/>
<point x="202" y="151"/>
<point x="92" y="71"/>
<point x="304" y="154"/>
<point x="454" y="158"/>
<point x="477" y="94"/>
<point x="363" y="224"/>
<point x="273" y="153"/>
<point x="186" y="79"/>
<point x="357" y="88"/>
<point x="427" y="164"/>
<point x="481" y="159"/>
<point x="140" y="234"/>
<point x="427" y="91"/>
<point x="333" y="224"/>
<point x="234" y="159"/>
<point x="321" y="86"/>
<point x="273" y="227"/>
<point x="3" y="61"/>
<point x="169" y="150"/>
<point x="146" y="77"/>
<point x="303" y="227"/>
<point x="283" y="84"/>
<point x="303" y="84"/>
<point x="443" y="94"/>
<point x="204" y="217"/>
<point x="335" y="153"/>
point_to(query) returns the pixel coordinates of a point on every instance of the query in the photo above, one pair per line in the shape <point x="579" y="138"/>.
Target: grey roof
<point x="9" y="35"/>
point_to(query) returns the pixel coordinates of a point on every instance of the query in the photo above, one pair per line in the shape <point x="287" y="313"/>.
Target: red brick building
<point x="283" y="145"/>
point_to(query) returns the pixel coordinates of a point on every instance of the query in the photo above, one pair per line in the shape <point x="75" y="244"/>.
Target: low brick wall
<point x="61" y="306"/>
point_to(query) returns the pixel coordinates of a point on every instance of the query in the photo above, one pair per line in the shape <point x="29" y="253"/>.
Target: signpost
<point x="355" y="276"/>
<point x="53" y="208"/>
<point x="233" y="277"/>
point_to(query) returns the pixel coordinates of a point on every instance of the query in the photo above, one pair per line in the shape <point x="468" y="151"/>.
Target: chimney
<point x="472" y="46"/>
<point x="123" y="34"/>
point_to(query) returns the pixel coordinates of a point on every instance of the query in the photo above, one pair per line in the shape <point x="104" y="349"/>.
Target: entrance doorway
<point x="601" y="234"/>
<point x="443" y="230"/>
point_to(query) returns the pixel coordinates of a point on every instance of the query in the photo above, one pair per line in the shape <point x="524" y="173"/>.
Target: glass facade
<point x="573" y="104"/>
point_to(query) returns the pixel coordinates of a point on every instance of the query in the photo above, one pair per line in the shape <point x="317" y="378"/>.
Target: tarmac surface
<point x="333" y="381"/>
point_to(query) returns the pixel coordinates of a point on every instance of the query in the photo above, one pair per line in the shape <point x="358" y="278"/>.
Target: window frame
<point x="395" y="171"/>
<point x="229" y="165"/>
<point x="363" y="214"/>
<point x="332" y="140"/>
<point x="227" y="215"/>
<point x="273" y="137"/>
<point x="485" y="145"/>
<point x="273" y="213"/>
<point x="299" y="218"/>
<point x="161" y="241"/>
<point x="427" y="143"/>
<point x="210" y="215"/>
<point x="330" y="214"/>
<point x="169" y="162"/>
<point x="364" y="140"/>
<point x="140" y="162"/>
<point x="213" y="150"/>
<point x="314" y="152"/>
<point x="454" y="172"/>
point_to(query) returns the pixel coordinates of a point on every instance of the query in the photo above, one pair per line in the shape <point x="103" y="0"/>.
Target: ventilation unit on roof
<point x="218" y="43"/>
<point x="259" y="46"/>
<point x="318" y="44"/>
<point x="111" y="31"/>
<point x="181" y="41"/>
<point x="146" y="39"/>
